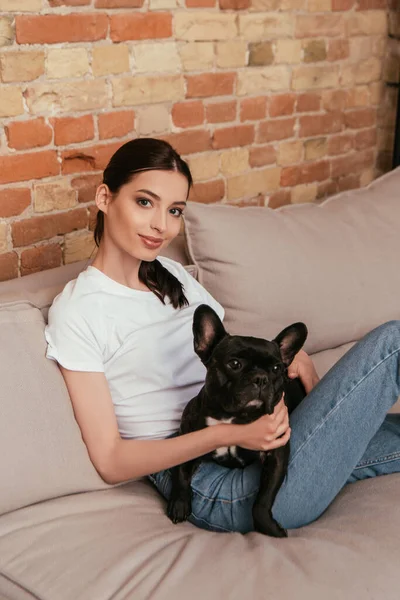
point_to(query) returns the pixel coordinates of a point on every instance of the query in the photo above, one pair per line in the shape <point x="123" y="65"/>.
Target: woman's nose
<point x="159" y="221"/>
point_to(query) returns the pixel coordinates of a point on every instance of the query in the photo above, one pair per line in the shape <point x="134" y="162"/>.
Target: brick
<point x="67" y="62"/>
<point x="231" y="54"/>
<point x="327" y="25"/>
<point x="22" y="167"/>
<point x="11" y="102"/>
<point x="326" y="189"/>
<point x="210" y="84"/>
<point x="13" y="201"/>
<point x="92" y="158"/>
<point x="28" y="134"/>
<point x="372" y="4"/>
<point x="53" y="196"/>
<point x="253" y="109"/>
<point x="262" y="155"/>
<point x="307" y="173"/>
<point x="315" y="148"/>
<point x="312" y="77"/>
<point x="340" y="144"/>
<point x="261" y="53"/>
<point x="228" y="137"/>
<point x="360" y="48"/>
<point x="254" y="183"/>
<point x="261" y="26"/>
<point x="308" y="102"/>
<point x="350" y="182"/>
<point x="129" y="91"/>
<point x="281" y="198"/>
<point x="234" y="161"/>
<point x="110" y="59"/>
<point x="369" y="22"/>
<point x="282" y="105"/>
<point x="288" y="51"/>
<point x="334" y="100"/>
<point x="92" y="217"/>
<point x="314" y="51"/>
<point x="153" y="119"/>
<point x="70" y="130"/>
<point x="67" y="96"/>
<point x="365" y="139"/>
<point x="367" y="176"/>
<point x="271" y="5"/>
<point x="319" y="5"/>
<point x="3" y="237"/>
<point x="358" y="97"/>
<point x="7" y="33"/>
<point x="204" y="166"/>
<point x="149" y="57"/>
<point x="143" y="26"/>
<point x="8" y="266"/>
<point x="189" y="142"/>
<point x="78" y="246"/>
<point x="116" y="124"/>
<point x="20" y="5"/>
<point x="54" y="3"/>
<point x="304" y="193"/>
<point x="208" y="192"/>
<point x="260" y="80"/>
<point x="234" y="4"/>
<point x="188" y="114"/>
<point x="342" y="4"/>
<point x="338" y="49"/>
<point x="319" y="124"/>
<point x="368" y="70"/>
<point x="119" y="3"/>
<point x="200" y="3"/>
<point x="35" y="229"/>
<point x="220" y="112"/>
<point x="350" y="165"/>
<point x="290" y="153"/>
<point x="21" y="66"/>
<point x="55" y="29"/>
<point x="361" y="118"/>
<point x="197" y="56"/>
<point x="278" y="129"/>
<point x="204" y="25"/>
<point x="40" y="258"/>
<point x="86" y="186"/>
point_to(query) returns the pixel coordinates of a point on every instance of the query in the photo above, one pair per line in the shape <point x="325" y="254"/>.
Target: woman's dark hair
<point x="146" y="154"/>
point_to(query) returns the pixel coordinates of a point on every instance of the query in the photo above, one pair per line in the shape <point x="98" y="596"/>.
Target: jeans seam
<point x="211" y="525"/>
<point x="339" y="403"/>
<point x="223" y="500"/>
<point x="378" y="461"/>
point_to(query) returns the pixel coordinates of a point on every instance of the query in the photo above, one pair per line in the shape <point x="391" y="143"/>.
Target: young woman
<point x="121" y="333"/>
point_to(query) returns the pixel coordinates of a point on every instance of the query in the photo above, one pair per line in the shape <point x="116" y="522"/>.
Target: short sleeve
<point x="72" y="341"/>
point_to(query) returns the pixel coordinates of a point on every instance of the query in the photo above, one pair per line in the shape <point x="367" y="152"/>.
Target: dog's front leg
<point x="272" y="475"/>
<point x="180" y="502"/>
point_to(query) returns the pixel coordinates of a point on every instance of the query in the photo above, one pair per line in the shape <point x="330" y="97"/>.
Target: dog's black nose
<point x="261" y="380"/>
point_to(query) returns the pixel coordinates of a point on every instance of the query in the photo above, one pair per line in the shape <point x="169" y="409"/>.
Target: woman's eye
<point x="180" y="212"/>
<point x="235" y="364"/>
<point x="143" y="200"/>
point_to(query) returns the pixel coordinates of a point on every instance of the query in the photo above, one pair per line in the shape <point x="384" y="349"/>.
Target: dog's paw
<point x="179" y="509"/>
<point x="266" y="524"/>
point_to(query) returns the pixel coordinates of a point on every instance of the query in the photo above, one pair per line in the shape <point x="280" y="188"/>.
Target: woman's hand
<point x="303" y="367"/>
<point x="265" y="432"/>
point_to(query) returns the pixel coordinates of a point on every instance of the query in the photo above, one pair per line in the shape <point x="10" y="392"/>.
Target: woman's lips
<point x="150" y="243"/>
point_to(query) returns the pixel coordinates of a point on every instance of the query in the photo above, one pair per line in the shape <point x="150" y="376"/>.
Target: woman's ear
<point x="103" y="197"/>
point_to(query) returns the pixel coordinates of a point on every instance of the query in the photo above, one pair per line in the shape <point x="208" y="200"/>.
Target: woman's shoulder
<point x="77" y="297"/>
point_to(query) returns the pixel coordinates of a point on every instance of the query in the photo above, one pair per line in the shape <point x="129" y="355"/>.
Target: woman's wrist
<point x="227" y="434"/>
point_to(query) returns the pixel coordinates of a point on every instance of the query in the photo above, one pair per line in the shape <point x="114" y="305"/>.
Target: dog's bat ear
<point x="208" y="331"/>
<point x="290" y="340"/>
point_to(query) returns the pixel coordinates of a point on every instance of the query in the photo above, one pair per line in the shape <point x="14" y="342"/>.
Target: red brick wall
<point x="270" y="101"/>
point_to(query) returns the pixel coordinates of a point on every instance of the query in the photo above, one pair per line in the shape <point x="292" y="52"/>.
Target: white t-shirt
<point x="145" y="348"/>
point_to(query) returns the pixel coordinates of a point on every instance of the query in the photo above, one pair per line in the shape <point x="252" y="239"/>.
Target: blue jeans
<point x="341" y="433"/>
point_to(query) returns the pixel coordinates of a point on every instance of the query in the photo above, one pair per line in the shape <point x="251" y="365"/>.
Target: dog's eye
<point x="277" y="368"/>
<point x="235" y="364"/>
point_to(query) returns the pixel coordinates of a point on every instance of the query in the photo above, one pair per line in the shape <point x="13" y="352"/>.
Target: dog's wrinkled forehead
<point x="254" y="350"/>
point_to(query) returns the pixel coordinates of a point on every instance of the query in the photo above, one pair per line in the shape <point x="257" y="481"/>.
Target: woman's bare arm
<point x="118" y="459"/>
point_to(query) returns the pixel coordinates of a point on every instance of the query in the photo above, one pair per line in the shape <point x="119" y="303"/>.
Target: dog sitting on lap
<point x="246" y="378"/>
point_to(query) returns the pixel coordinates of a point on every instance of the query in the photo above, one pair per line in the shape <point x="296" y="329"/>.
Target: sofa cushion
<point x="119" y="544"/>
<point x="42" y="454"/>
<point x="332" y="265"/>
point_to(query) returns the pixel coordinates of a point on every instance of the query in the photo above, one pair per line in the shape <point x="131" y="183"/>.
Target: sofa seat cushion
<point x="119" y="544"/>
<point x="332" y="265"/>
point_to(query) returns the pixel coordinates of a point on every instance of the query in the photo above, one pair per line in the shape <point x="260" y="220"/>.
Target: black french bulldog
<point x="245" y="379"/>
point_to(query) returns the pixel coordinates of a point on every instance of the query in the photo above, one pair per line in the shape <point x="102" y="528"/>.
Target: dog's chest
<point x="228" y="456"/>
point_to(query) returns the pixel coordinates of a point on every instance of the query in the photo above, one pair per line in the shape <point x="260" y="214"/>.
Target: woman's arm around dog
<point x="117" y="459"/>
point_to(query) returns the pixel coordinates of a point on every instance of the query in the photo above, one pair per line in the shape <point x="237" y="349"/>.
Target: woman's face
<point x="151" y="204"/>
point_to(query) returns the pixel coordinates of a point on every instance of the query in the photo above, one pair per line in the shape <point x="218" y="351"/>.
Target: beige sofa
<point x="66" y="535"/>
